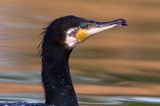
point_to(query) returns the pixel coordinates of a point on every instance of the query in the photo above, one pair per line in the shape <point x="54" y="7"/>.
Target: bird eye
<point x="83" y="25"/>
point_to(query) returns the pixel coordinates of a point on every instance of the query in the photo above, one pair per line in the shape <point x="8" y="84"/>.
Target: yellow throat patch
<point x="81" y="35"/>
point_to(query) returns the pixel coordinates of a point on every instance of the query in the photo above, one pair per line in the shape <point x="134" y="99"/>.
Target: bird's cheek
<point x="81" y="35"/>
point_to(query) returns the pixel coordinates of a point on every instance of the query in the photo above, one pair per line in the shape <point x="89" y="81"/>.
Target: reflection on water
<point x="119" y="67"/>
<point x="83" y="99"/>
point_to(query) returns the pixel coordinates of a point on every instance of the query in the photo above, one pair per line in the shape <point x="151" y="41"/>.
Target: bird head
<point x="72" y="30"/>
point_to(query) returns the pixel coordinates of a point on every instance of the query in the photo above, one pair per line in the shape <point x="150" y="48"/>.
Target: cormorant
<point x="60" y="37"/>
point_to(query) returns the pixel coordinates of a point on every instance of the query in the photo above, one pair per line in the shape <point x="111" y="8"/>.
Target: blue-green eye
<point x="83" y="25"/>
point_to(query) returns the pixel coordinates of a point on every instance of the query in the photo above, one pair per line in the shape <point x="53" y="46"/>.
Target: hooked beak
<point x="92" y="29"/>
<point x="101" y="26"/>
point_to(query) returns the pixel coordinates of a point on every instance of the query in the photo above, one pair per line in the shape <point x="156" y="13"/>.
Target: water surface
<point x="120" y="67"/>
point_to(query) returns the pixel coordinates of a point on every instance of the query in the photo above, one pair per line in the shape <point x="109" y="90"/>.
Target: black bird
<point x="60" y="37"/>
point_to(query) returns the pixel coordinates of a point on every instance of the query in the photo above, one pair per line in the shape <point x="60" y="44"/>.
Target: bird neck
<point x="56" y="78"/>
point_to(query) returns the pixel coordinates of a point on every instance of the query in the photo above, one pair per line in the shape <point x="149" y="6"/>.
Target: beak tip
<point x="123" y="22"/>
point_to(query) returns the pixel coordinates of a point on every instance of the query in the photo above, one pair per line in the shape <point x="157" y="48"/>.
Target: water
<point x="120" y="67"/>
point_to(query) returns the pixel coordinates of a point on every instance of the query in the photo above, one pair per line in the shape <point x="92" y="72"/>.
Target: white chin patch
<point x="70" y="39"/>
